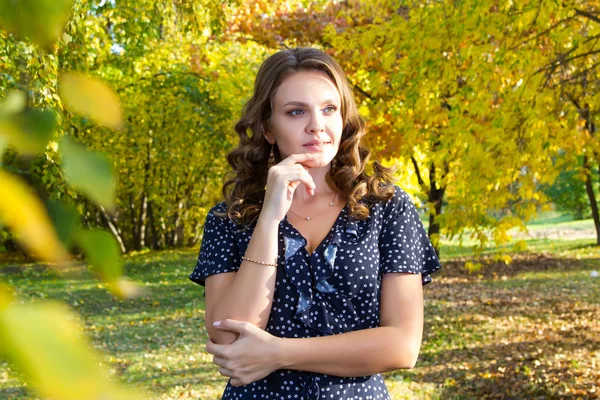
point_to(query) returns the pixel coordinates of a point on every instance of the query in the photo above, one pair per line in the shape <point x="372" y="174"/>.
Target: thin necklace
<point x="309" y="218"/>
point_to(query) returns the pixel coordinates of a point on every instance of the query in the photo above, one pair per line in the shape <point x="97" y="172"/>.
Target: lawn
<point x="525" y="330"/>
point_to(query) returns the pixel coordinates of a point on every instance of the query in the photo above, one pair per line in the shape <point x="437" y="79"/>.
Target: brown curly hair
<point x="249" y="158"/>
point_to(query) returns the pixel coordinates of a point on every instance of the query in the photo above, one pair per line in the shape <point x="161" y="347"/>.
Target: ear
<point x="268" y="135"/>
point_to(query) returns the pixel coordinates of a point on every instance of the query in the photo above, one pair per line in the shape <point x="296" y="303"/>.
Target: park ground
<point x="529" y="329"/>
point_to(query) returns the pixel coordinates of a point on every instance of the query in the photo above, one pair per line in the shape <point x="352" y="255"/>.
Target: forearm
<point x="249" y="297"/>
<point x="358" y="353"/>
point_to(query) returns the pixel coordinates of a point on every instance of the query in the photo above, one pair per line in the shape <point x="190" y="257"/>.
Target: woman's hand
<point x="254" y="355"/>
<point x="282" y="181"/>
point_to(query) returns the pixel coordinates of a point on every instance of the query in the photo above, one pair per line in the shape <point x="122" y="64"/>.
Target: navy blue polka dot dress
<point x="335" y="289"/>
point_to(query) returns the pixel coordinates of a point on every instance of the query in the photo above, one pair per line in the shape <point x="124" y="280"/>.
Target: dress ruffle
<point x="315" y="300"/>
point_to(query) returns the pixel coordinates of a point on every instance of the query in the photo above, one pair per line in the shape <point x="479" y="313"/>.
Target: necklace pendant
<point x="307" y="218"/>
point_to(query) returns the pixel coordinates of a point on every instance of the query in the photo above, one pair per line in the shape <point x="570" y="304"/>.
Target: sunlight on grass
<point x="529" y="332"/>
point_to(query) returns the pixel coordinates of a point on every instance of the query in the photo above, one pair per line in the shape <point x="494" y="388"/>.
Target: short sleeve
<point x="218" y="250"/>
<point x="403" y="244"/>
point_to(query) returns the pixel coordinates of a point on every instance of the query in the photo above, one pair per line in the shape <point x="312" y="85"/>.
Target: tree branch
<point x="160" y="74"/>
<point x="418" y="172"/>
<point x="541" y="33"/>
<point x="587" y="15"/>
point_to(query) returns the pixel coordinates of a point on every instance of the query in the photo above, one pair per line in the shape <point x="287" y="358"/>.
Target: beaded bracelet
<point x="259" y="262"/>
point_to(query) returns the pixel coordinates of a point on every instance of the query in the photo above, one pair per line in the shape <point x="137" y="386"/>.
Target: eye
<point x="295" y="111"/>
<point x="329" y="109"/>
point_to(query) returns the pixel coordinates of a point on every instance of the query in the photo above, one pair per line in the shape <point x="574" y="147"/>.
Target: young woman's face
<point x="306" y="110"/>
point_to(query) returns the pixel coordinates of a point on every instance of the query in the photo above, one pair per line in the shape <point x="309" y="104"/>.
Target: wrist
<point x="266" y="222"/>
<point x="282" y="353"/>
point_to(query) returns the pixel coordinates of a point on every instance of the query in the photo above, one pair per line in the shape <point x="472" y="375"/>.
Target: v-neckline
<point x="327" y="236"/>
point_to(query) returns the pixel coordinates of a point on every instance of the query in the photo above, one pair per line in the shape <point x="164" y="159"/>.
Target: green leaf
<point x="28" y="131"/>
<point x="88" y="171"/>
<point x="102" y="252"/>
<point x="91" y="97"/>
<point x="3" y="146"/>
<point x="40" y="21"/>
<point x="65" y="219"/>
<point x="44" y="342"/>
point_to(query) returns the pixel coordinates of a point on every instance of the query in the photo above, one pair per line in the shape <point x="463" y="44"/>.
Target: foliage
<point x="468" y="98"/>
<point x="568" y="193"/>
<point x="42" y="340"/>
<point x="457" y="93"/>
<point x="115" y="119"/>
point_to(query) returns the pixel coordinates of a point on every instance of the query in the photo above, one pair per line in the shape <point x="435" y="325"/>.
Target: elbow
<point x="406" y="359"/>
<point x="409" y="360"/>
<point x="403" y="363"/>
<point x="220" y="336"/>
<point x="406" y="352"/>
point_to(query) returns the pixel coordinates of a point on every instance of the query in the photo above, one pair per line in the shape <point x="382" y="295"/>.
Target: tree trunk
<point x="142" y="221"/>
<point x="178" y="229"/>
<point x="435" y="197"/>
<point x="112" y="225"/>
<point x="152" y="223"/>
<point x="134" y="226"/>
<point x="163" y="232"/>
<point x="584" y="113"/>
<point x="589" y="188"/>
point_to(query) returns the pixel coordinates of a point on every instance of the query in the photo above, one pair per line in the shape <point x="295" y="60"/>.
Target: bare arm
<point x="245" y="295"/>
<point x="393" y="345"/>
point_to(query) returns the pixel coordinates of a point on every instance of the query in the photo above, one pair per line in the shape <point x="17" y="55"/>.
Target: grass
<point x="550" y="232"/>
<point x="525" y="330"/>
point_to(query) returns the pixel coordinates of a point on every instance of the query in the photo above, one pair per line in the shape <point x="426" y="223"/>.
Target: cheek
<point x="338" y="127"/>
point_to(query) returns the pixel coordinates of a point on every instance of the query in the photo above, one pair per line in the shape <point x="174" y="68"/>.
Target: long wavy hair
<point x="245" y="186"/>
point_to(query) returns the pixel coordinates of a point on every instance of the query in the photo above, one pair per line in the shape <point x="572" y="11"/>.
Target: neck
<point x="324" y="186"/>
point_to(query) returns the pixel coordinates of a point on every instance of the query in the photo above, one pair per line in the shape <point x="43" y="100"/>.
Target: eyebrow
<point x="301" y="104"/>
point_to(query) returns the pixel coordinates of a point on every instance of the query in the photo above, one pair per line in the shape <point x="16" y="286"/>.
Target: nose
<point x="315" y="124"/>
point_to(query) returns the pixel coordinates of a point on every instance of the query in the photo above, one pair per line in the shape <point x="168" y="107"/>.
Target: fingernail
<point x="216" y="323"/>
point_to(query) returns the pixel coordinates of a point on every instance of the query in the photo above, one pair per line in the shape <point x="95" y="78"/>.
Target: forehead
<point x="306" y="86"/>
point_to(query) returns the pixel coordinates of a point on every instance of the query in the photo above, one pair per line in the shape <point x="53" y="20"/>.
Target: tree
<point x="179" y="86"/>
<point x="41" y="92"/>
<point x="570" y="73"/>
<point x="450" y="92"/>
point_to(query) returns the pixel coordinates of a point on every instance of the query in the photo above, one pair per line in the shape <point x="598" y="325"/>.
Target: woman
<point x="313" y="269"/>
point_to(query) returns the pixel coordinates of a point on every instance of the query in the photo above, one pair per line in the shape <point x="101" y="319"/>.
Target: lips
<point x="316" y="142"/>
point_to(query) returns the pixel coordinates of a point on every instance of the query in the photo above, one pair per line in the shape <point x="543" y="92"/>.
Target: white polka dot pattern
<point x="335" y="289"/>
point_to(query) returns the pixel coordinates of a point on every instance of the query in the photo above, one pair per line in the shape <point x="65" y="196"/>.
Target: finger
<point x="233" y="325"/>
<point x="298" y="157"/>
<point x="236" y="382"/>
<point x="305" y="178"/>
<point x="297" y="176"/>
<point x="225" y="372"/>
<point x="215" y="349"/>
<point x="220" y="361"/>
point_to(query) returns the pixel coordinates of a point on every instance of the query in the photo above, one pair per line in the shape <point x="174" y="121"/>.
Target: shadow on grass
<point x="181" y="377"/>
<point x="524" y="330"/>
<point x="525" y="262"/>
<point x="514" y="370"/>
<point x="463" y="312"/>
